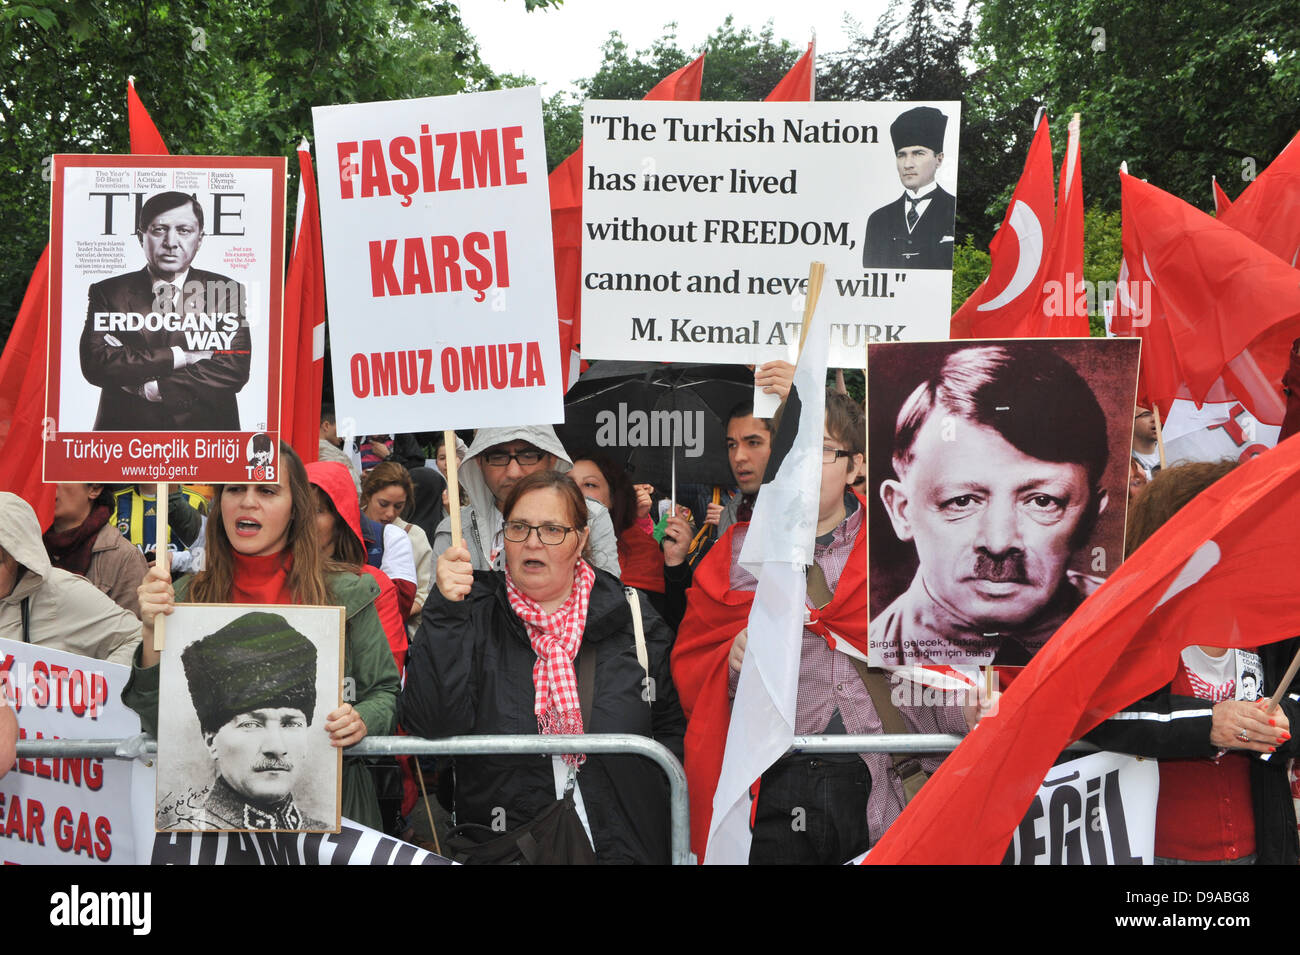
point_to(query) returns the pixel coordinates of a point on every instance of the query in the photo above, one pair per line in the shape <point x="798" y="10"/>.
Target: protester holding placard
<point x="41" y="604"/>
<point x="1218" y="802"/>
<point x="263" y="548"/>
<point x="84" y="541"/>
<point x="554" y="643"/>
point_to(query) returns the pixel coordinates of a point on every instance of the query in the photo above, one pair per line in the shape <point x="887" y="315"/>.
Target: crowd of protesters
<point x="567" y="607"/>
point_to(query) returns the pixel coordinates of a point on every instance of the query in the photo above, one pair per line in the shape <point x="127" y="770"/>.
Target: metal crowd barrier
<point x="679" y="805"/>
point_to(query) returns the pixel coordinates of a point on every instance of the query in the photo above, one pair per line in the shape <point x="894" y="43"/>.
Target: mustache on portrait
<point x="1005" y="568"/>
<point x="273" y="765"/>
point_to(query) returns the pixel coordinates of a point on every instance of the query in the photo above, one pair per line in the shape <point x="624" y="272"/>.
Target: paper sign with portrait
<point x="244" y="695"/>
<point x="996" y="485"/>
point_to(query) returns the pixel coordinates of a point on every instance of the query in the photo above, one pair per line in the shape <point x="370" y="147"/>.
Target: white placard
<point x="701" y="219"/>
<point x="66" y="811"/>
<point x="1096" y="810"/>
<point x="435" y="221"/>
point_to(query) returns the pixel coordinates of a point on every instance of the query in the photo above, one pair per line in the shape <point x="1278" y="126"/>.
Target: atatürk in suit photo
<point x="142" y="329"/>
<point x="915" y="231"/>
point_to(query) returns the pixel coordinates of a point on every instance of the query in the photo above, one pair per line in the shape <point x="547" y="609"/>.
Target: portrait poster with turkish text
<point x="68" y="810"/>
<point x="700" y="220"/>
<point x="436" y="231"/>
<point x="244" y="694"/>
<point x="997" y="488"/>
<point x="166" y="286"/>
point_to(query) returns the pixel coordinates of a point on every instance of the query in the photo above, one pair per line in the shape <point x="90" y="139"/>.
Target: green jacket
<point x="367" y="663"/>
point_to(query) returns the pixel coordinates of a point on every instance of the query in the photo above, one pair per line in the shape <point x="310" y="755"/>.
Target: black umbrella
<point x="645" y="414"/>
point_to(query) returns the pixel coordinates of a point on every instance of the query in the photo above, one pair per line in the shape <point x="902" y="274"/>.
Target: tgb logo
<point x="261" y="458"/>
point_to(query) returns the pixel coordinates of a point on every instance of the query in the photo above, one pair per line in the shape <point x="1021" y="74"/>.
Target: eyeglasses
<point x="526" y="459"/>
<point x="831" y="455"/>
<point x="550" y="534"/>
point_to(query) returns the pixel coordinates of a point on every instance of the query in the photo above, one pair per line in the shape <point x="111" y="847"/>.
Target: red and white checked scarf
<point x="555" y="638"/>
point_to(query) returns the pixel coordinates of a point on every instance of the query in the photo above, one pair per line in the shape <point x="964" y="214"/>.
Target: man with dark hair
<point x="168" y="344"/>
<point x="915" y="231"/>
<point x="253" y="686"/>
<point x="332" y="445"/>
<point x="998" y="463"/>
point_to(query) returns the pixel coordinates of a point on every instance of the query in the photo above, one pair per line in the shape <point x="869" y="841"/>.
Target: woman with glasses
<point x="547" y="646"/>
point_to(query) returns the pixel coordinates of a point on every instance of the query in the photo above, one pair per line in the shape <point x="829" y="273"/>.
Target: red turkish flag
<point x="1018" y="251"/>
<point x="23" y="427"/>
<point x="1268" y="210"/>
<point x="566" y="220"/>
<point x="1061" y="308"/>
<point x="1221" y="572"/>
<point x="798" y="85"/>
<point x="1221" y="201"/>
<point x="304" y="322"/>
<point x="1216" y="313"/>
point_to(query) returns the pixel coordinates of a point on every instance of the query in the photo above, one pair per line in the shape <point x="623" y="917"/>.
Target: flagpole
<point x="453" y="487"/>
<point x="1160" y="434"/>
<point x="161" y="555"/>
<point x="1286" y="682"/>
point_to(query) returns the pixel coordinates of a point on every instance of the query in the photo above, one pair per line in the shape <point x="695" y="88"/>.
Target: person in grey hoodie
<point x="47" y="606"/>
<point x="495" y="462"/>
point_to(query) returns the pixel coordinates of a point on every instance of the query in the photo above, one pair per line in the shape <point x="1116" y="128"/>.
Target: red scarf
<point x="714" y="615"/>
<point x="262" y="580"/>
<point x="555" y="638"/>
<point x="72" y="549"/>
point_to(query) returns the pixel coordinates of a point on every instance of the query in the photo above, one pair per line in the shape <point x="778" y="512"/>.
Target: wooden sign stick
<point x="1160" y="434"/>
<point x="1286" y="681"/>
<point x="453" y="487"/>
<point x="816" y="273"/>
<point x="161" y="556"/>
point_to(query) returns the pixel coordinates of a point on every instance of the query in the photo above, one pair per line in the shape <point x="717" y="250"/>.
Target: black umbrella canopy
<point x="641" y="414"/>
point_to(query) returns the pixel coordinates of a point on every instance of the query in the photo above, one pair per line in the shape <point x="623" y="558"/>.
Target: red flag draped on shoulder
<point x="304" y="323"/>
<point x="566" y="221"/>
<point x="798" y="85"/>
<point x="714" y="615"/>
<point x="1268" y="210"/>
<point x="1018" y="252"/>
<point x="22" y="366"/>
<point x="1216" y="313"/>
<point x="1221" y="572"/>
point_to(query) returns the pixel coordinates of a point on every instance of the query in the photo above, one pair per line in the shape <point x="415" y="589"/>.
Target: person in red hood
<point x="338" y="521"/>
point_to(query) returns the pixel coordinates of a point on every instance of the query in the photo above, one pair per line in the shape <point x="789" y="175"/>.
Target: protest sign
<point x="436" y="232"/>
<point x="353" y="844"/>
<point x="244" y="693"/>
<point x="997" y="475"/>
<point x="700" y="220"/>
<point x="1099" y="809"/>
<point x="166" y="277"/>
<point x="66" y="810"/>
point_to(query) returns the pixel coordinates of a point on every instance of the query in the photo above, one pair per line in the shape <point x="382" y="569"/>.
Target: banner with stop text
<point x="700" y="221"/>
<point x="435" y="223"/>
<point x="69" y="811"/>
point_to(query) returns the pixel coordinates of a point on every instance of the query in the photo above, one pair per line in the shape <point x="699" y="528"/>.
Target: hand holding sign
<point x="1238" y="724"/>
<point x="455" y="573"/>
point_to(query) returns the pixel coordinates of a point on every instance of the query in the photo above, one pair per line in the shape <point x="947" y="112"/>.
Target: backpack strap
<point x="586" y="667"/>
<point x="638" y="627"/>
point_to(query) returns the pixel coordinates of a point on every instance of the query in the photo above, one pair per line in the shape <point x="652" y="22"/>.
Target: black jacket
<point x="889" y="245"/>
<point x="470" y="671"/>
<point x="1166" y="726"/>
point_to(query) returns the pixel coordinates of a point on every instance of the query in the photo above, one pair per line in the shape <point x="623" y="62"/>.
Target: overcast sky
<point x="557" y="47"/>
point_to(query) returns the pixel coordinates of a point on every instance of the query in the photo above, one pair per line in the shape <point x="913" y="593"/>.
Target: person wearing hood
<point x="44" y="605"/>
<point x="338" y="523"/>
<point x="83" y="541"/>
<point x="499" y="459"/>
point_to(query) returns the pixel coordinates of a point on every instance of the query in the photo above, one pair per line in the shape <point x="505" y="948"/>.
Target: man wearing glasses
<point x="497" y="460"/>
<point x="168" y="344"/>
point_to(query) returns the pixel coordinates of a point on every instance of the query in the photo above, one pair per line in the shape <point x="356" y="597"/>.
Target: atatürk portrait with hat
<point x="915" y="231"/>
<point x="253" y="686"/>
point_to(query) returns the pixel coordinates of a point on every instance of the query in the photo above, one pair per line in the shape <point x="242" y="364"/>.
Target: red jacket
<point x="336" y="481"/>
